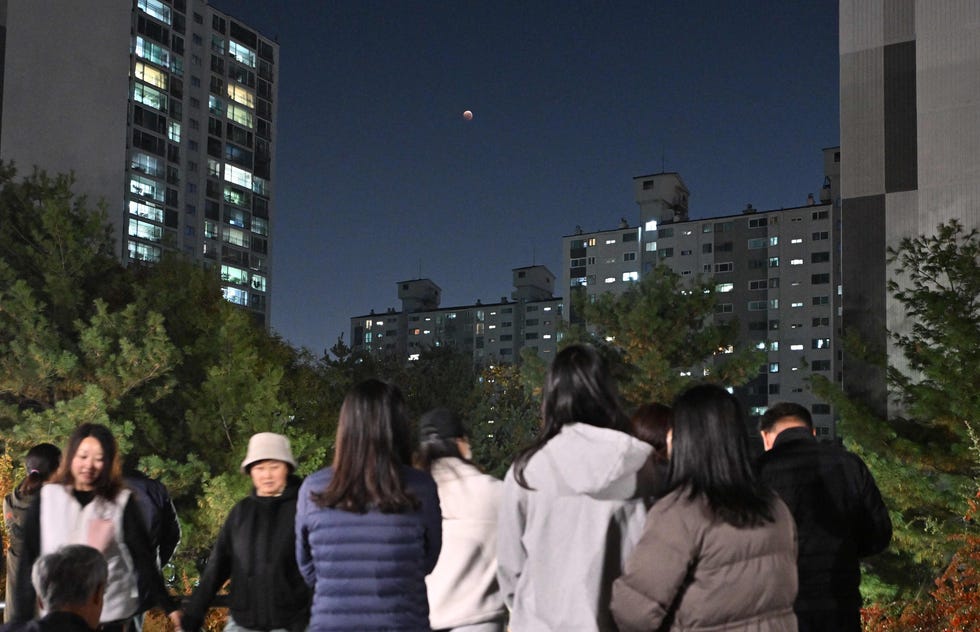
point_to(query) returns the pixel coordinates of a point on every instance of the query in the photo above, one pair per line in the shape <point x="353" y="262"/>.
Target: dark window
<point x="820" y="257"/>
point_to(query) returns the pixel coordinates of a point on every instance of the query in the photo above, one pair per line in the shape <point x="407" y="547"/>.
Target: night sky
<point x="379" y="178"/>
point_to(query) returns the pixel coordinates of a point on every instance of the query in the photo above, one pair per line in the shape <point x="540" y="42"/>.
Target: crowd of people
<point x="663" y="520"/>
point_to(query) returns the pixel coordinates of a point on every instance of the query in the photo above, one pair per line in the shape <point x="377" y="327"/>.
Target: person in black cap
<point x="41" y="461"/>
<point x="462" y="589"/>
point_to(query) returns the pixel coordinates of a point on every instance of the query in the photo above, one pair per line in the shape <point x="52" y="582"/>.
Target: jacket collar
<point x="797" y="433"/>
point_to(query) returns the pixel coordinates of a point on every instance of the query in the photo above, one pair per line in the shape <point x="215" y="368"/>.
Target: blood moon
<point x="468" y="115"/>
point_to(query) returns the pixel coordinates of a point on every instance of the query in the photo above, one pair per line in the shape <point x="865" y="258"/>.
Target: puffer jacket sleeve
<point x="873" y="525"/>
<point x="511" y="555"/>
<point x="432" y="521"/>
<point x="655" y="572"/>
<point x="304" y="555"/>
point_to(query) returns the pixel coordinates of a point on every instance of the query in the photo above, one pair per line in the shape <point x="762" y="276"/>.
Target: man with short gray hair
<point x="70" y="584"/>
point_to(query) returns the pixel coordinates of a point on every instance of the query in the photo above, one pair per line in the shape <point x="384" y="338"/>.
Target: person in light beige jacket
<point x="463" y="591"/>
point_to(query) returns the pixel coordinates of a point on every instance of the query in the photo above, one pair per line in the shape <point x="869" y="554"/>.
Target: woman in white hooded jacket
<point x="573" y="506"/>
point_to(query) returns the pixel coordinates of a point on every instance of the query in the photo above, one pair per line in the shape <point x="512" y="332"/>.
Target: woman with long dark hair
<point x="40" y="462"/>
<point x="573" y="502"/>
<point x="719" y="549"/>
<point x="368" y="528"/>
<point x="463" y="592"/>
<point x="86" y="502"/>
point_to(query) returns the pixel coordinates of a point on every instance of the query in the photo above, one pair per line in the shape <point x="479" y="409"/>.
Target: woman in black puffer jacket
<point x="256" y="549"/>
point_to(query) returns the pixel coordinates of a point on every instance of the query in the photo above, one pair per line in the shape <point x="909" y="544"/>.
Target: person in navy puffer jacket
<point x="369" y="528"/>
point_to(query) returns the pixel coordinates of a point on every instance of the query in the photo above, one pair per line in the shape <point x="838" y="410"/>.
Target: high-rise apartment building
<point x="777" y="272"/>
<point x="164" y="109"/>
<point x="491" y="332"/>
<point x="910" y="141"/>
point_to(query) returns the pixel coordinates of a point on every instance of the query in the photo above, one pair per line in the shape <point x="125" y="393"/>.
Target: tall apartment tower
<point x="777" y="272"/>
<point x="909" y="107"/>
<point x="164" y="109"/>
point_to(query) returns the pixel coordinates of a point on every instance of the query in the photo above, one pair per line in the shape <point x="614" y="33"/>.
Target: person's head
<point x="781" y="416"/>
<point x="577" y="389"/>
<point x="269" y="462"/>
<point x="373" y="443"/>
<point x="72" y="579"/>
<point x="650" y="423"/>
<point x="40" y="462"/>
<point x="710" y="455"/>
<point x="441" y="435"/>
<point x="92" y="461"/>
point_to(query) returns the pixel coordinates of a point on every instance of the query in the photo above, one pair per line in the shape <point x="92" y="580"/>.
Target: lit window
<point x="610" y="279"/>
<point x="774" y="345"/>
<point x="821" y="343"/>
<point x="651" y="225"/>
<point x="155" y="8"/>
<point x="241" y="95"/>
<point x="546" y="337"/>
<point x="236" y="237"/>
<point x="241" y="115"/>
<point x="774" y="367"/>
<point x="146" y="210"/>
<point x="238" y="176"/>
<point x="797" y="240"/>
<point x="724" y="287"/>
<point x="149" y="96"/>
<point x="151" y="75"/>
<point x="215" y="105"/>
<point x="145" y="187"/>
<point x="796" y="304"/>
<point x="650" y="246"/>
<point x="145" y="230"/>
<point x="143" y="252"/>
<point x="773" y="262"/>
<point x="231" y="274"/>
<point x="796" y="262"/>
<point x="152" y="52"/>
<point x="235" y="295"/>
<point x="610" y="241"/>
<point x="149" y="165"/>
<point x="774" y="241"/>
<point x="258" y="283"/>
<point x="796" y="347"/>
<point x="631" y="276"/>
<point x="173" y="131"/>
<point x="241" y="54"/>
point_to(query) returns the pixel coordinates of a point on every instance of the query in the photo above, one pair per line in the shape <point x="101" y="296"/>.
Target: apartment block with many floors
<point x="490" y="332"/>
<point x="777" y="272"/>
<point x="164" y="109"/>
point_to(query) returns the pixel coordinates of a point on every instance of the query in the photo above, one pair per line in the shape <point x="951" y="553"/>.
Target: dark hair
<point x="578" y="388"/>
<point x="373" y="443"/>
<point x="70" y="576"/>
<point x="41" y="461"/>
<point x="439" y="430"/>
<point x="650" y="423"/>
<point x="783" y="410"/>
<point x="109" y="482"/>
<point x="710" y="457"/>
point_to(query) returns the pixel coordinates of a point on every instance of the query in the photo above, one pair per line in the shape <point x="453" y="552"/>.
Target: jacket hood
<point x="585" y="459"/>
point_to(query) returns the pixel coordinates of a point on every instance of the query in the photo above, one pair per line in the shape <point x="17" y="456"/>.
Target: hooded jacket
<point x="561" y="544"/>
<point x="255" y="548"/>
<point x="463" y="587"/>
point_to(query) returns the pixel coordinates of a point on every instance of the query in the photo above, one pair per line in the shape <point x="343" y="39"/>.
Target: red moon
<point x="468" y="115"/>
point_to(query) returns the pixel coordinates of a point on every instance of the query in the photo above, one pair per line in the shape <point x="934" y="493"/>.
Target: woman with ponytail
<point x="41" y="461"/>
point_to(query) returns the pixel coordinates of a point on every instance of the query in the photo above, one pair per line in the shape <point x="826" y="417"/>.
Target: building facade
<point x="910" y="140"/>
<point x="776" y="272"/>
<point x="164" y="109"/>
<point x="491" y="332"/>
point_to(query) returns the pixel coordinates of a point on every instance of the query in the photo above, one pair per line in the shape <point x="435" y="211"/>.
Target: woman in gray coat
<point x="718" y="551"/>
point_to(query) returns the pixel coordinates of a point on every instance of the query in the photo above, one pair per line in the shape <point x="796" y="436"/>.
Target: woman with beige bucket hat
<point x="256" y="549"/>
